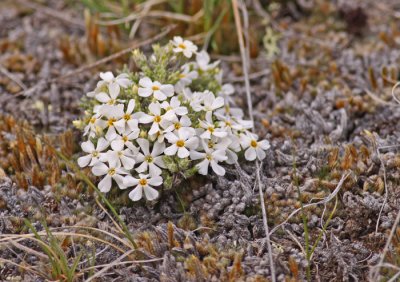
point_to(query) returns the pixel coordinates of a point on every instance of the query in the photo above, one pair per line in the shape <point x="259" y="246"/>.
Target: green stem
<point x="100" y="194"/>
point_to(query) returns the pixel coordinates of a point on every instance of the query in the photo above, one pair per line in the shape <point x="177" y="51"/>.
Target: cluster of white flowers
<point x="136" y="125"/>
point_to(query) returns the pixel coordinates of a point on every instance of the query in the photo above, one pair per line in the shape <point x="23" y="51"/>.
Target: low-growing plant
<point x="172" y="119"/>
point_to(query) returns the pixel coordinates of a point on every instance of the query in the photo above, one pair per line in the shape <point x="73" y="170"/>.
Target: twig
<point x="394" y="95"/>
<point x="386" y="189"/>
<point x="375" y="273"/>
<point x="99" y="62"/>
<point x="53" y="13"/>
<point x="12" y="77"/>
<point x="245" y="61"/>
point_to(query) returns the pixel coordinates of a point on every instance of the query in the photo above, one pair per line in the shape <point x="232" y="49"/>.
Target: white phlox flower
<point x="94" y="153"/>
<point x="129" y="120"/>
<point x="209" y="102"/>
<point x="150" y="161"/>
<point x="186" y="47"/>
<point x="158" y="90"/>
<point x="254" y="149"/>
<point x="175" y="106"/>
<point x="111" y="113"/>
<point x="183" y="123"/>
<point x="185" y="78"/>
<point x="203" y="61"/>
<point x="143" y="184"/>
<point x="157" y="119"/>
<point x="209" y="157"/>
<point x="209" y="128"/>
<point x="127" y="137"/>
<point x="119" y="155"/>
<point x="226" y="92"/>
<point x="182" y="141"/>
<point x="110" y="172"/>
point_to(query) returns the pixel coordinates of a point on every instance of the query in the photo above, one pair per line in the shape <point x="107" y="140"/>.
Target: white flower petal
<point x="142" y="167"/>
<point x="145" y="92"/>
<point x="103" y="97"/>
<point x="120" y="181"/>
<point x="84" y="161"/>
<point x="159" y="161"/>
<point x="100" y="169"/>
<point x="219" y="170"/>
<point x="105" y="184"/>
<point x="194" y="155"/>
<point x="260" y="153"/>
<point x="203" y="167"/>
<point x="130" y="181"/>
<point x="183" y="152"/>
<point x="107" y="76"/>
<point x="155" y="181"/>
<point x="145" y="82"/>
<point x="102" y="144"/>
<point x="136" y="194"/>
<point x="87" y="147"/>
<point x="171" y="150"/>
<point x="151" y="193"/>
<point x="117" y="145"/>
<point x="127" y="162"/>
<point x="114" y="90"/>
<point x="144" y="145"/>
<point x="250" y="154"/>
<point x="158" y="148"/>
<point x="167" y="89"/>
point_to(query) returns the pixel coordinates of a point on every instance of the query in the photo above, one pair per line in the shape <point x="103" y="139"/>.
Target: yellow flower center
<point x="228" y="123"/>
<point x="177" y="125"/>
<point x="211" y="129"/>
<point x="95" y="154"/>
<point x="253" y="143"/>
<point x="182" y="75"/>
<point x="155" y="88"/>
<point x="93" y="120"/>
<point x="143" y="181"/>
<point x="149" y="159"/>
<point x="119" y="154"/>
<point x="210" y="144"/>
<point x="125" y="138"/>
<point x="182" y="46"/>
<point x="111" y="102"/>
<point x="209" y="157"/>
<point x="127" y="117"/>
<point x="180" y="143"/>
<point x="157" y="119"/>
<point x="111" y="121"/>
<point x="111" y="171"/>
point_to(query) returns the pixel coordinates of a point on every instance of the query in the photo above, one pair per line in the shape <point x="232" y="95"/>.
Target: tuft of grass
<point x="61" y="269"/>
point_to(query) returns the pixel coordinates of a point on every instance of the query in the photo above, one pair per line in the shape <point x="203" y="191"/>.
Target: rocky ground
<point x="324" y="102"/>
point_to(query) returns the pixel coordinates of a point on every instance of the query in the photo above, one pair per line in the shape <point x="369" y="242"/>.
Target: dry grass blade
<point x="28" y="269"/>
<point x="107" y="267"/>
<point x="376" y="269"/>
<point x="245" y="61"/>
<point x="110" y="217"/>
<point x="324" y="201"/>
<point x="99" y="62"/>
<point x="31" y="236"/>
<point x="123" y="263"/>
<point x="12" y="77"/>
